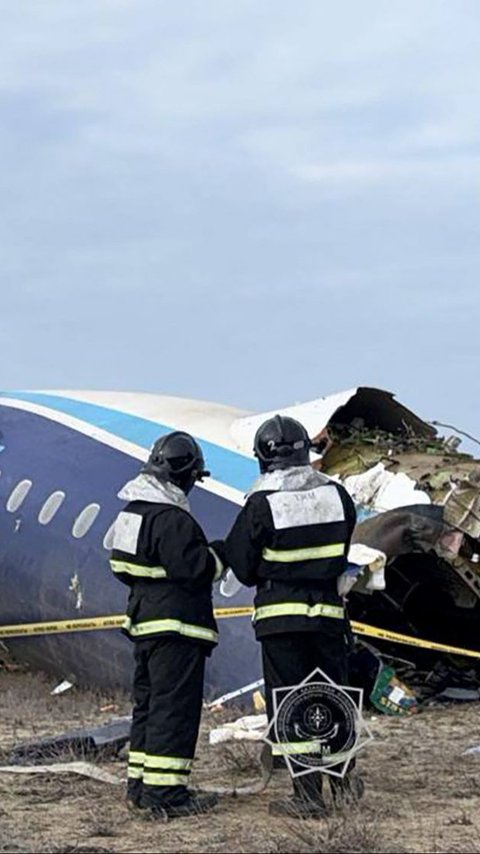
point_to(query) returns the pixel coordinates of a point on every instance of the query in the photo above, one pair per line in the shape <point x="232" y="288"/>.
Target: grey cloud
<point x="260" y="202"/>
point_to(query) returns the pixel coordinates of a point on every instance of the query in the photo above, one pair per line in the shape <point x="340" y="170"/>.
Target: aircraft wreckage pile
<point x="418" y="501"/>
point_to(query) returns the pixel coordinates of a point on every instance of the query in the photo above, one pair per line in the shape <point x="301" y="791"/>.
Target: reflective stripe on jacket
<point x="161" y="553"/>
<point x="291" y="543"/>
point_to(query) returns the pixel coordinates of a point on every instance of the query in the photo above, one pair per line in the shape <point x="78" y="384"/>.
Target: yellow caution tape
<point x="395" y="637"/>
<point x="240" y="611"/>
<point x="115" y="621"/>
<point x="86" y="624"/>
<point x="370" y="631"/>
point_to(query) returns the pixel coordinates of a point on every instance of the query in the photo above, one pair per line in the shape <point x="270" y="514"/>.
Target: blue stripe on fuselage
<point x="226" y="466"/>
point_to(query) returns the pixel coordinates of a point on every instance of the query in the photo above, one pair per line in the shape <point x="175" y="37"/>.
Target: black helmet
<point x="281" y="442"/>
<point x="177" y="458"/>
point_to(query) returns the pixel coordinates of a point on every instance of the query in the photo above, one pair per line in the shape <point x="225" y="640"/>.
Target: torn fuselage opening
<point x="432" y="586"/>
<point x="370" y="427"/>
<point x="373" y="409"/>
<point x="425" y="599"/>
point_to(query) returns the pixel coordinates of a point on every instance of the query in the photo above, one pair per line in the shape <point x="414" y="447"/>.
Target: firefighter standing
<point x="290" y="540"/>
<point x="161" y="553"/>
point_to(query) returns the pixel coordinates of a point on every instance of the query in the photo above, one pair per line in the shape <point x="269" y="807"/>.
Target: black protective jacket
<point x="291" y="541"/>
<point x="161" y="553"/>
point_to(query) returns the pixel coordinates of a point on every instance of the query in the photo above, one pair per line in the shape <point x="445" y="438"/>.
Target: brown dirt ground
<point x="422" y="794"/>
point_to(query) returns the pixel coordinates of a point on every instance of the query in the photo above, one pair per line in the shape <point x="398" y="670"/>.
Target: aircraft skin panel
<point x="39" y="563"/>
<point x="232" y="472"/>
<point x="207" y="420"/>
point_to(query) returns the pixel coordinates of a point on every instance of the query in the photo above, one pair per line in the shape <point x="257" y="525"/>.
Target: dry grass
<point x="241" y="758"/>
<point x="54" y="848"/>
<point x="422" y="794"/>
<point x="353" y="832"/>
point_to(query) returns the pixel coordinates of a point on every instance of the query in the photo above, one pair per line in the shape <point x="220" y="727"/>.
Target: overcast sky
<point x="250" y="201"/>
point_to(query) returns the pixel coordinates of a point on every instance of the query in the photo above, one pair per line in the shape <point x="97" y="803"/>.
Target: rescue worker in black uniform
<point x="290" y="540"/>
<point x="161" y="553"/>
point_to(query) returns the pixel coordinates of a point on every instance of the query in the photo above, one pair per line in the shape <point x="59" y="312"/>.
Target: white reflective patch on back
<point x="126" y="532"/>
<point x="307" y="507"/>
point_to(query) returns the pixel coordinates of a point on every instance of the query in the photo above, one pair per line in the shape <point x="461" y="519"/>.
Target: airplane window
<point x="85" y="520"/>
<point x="18" y="496"/>
<point x="108" y="538"/>
<point x="52" y="504"/>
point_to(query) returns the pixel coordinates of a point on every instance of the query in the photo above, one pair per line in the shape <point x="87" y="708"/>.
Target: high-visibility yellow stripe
<point x="169" y="762"/>
<point x="313" y="553"/>
<point x="153" y="779"/>
<point x="135" y="773"/>
<point x="119" y="566"/>
<point x="298" y="609"/>
<point x="307" y="747"/>
<point x="331" y="759"/>
<point x="153" y="627"/>
<point x="290" y="748"/>
<point x="136" y="757"/>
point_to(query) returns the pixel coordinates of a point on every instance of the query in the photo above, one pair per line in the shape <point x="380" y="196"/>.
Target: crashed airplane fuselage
<point x="66" y="454"/>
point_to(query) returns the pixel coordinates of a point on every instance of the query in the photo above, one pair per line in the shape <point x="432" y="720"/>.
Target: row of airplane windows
<point x="50" y="507"/>
<point x="84" y="522"/>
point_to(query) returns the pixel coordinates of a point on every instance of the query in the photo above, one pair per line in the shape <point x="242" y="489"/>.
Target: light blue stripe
<point x="226" y="466"/>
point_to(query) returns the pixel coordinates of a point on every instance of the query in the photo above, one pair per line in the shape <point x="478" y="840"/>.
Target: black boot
<point x="195" y="803"/>
<point x="134" y="794"/>
<point x="306" y="801"/>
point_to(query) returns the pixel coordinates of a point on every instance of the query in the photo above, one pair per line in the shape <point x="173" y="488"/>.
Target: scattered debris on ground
<point x="422" y="792"/>
<point x="99" y="742"/>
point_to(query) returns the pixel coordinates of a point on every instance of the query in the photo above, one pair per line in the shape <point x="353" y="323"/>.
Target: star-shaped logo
<point x="317" y="725"/>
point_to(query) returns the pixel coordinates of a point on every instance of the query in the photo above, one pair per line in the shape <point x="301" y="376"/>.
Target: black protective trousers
<point x="167" y="693"/>
<point x="290" y="658"/>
